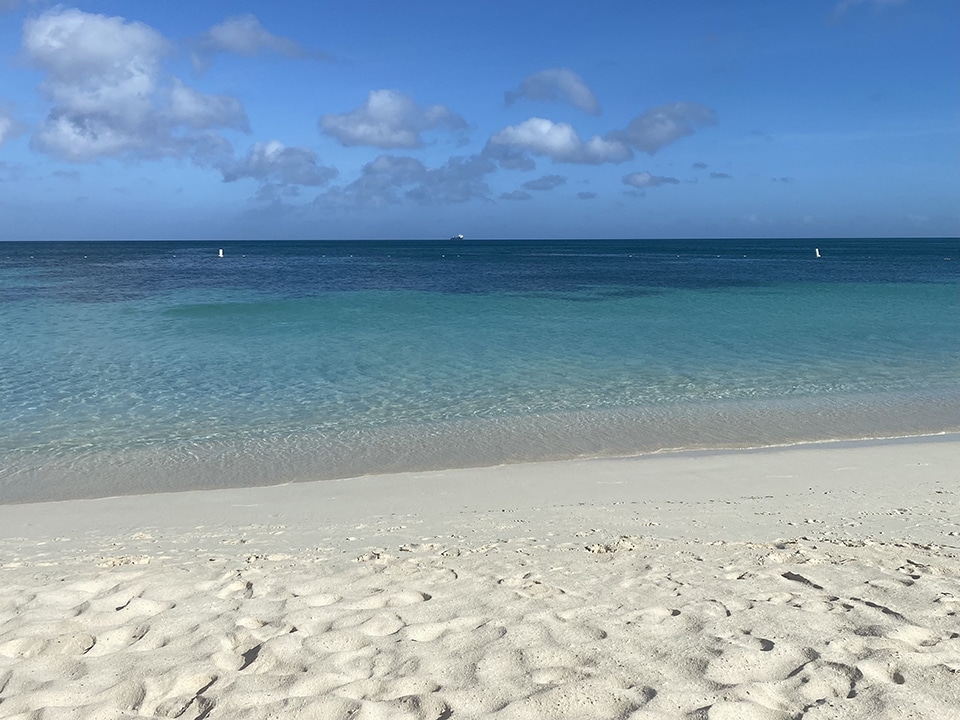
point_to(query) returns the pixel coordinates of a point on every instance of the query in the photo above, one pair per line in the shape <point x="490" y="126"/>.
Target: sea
<point x="140" y="367"/>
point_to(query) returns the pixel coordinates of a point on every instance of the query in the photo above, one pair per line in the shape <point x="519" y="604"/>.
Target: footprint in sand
<point x="336" y="641"/>
<point x="382" y="599"/>
<point x="737" y="664"/>
<point x="528" y="586"/>
<point x="238" y="589"/>
<point x="97" y="585"/>
<point x="880" y="671"/>
<point x="382" y="625"/>
<point x="320" y="600"/>
<point x="428" y="632"/>
<point x="915" y="636"/>
<point x="171" y="694"/>
<point x="584" y="700"/>
<point x="118" y="638"/>
<point x="278" y="656"/>
<point x="556" y="675"/>
<point x="64" y="599"/>
<point x="71" y="644"/>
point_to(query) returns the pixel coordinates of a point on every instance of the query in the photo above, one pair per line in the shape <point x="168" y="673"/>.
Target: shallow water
<point x="130" y="367"/>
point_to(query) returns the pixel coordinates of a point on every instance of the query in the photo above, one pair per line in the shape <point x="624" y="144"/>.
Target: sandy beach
<point x="807" y="582"/>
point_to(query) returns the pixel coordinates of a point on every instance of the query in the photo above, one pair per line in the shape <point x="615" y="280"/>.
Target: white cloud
<point x="556" y="85"/>
<point x="244" y="35"/>
<point x="665" y="124"/>
<point x="647" y="132"/>
<point x="82" y="138"/>
<point x="112" y="97"/>
<point x="646" y="180"/>
<point x="559" y="142"/>
<point x="606" y="149"/>
<point x="541" y="137"/>
<point x="273" y="162"/>
<point x="201" y="111"/>
<point x="389" y="119"/>
<point x="95" y="63"/>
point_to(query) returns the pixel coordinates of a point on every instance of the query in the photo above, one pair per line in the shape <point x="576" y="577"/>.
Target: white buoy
<point x="221" y="253"/>
<point x="817" y="251"/>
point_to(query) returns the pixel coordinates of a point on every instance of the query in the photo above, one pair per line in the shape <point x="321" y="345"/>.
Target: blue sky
<point x="352" y="119"/>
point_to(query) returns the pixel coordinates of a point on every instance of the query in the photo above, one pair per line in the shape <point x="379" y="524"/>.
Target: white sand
<point x="814" y="582"/>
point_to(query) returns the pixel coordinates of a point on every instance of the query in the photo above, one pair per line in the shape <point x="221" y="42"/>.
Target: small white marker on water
<point x="817" y="251"/>
<point x="220" y="253"/>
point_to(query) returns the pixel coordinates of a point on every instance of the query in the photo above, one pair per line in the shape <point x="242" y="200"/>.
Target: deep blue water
<point x="142" y="366"/>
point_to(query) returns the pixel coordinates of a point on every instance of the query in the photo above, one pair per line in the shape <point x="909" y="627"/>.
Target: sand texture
<point x="806" y="583"/>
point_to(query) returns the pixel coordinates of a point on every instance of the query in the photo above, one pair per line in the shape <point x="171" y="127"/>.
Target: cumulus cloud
<point x="556" y="85"/>
<point x="390" y="180"/>
<point x="458" y="180"/>
<point x="646" y="180"/>
<point x="244" y="35"/>
<point x="559" y="142"/>
<point x="111" y="96"/>
<point x="648" y="132"/>
<point x="272" y="162"/>
<point x="586" y="195"/>
<point x="95" y="61"/>
<point x="388" y="120"/>
<point x="699" y="166"/>
<point x="665" y="124"/>
<point x="509" y="158"/>
<point x="201" y="111"/>
<point x="547" y="182"/>
<point x="516" y="195"/>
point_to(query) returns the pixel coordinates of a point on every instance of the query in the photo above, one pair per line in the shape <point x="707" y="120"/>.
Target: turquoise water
<point x="131" y="367"/>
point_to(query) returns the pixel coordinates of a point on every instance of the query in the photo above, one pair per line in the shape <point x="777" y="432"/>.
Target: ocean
<point x="131" y="367"/>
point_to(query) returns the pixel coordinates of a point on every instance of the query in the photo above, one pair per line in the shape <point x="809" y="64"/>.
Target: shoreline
<point x="820" y="580"/>
<point x="217" y="465"/>
<point x="649" y="476"/>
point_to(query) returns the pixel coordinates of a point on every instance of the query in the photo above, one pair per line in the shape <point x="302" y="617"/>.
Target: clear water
<point x="146" y="366"/>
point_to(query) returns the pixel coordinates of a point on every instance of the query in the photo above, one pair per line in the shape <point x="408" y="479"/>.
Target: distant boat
<point x="817" y="251"/>
<point x="220" y="254"/>
<point x="457" y="237"/>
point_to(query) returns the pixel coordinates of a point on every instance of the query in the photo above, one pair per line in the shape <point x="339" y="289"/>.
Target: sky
<point x="236" y="119"/>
